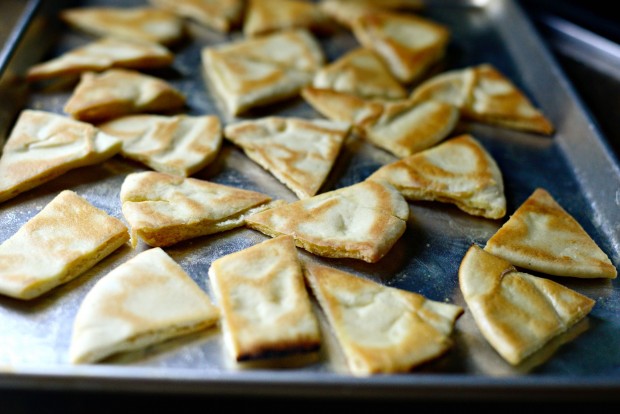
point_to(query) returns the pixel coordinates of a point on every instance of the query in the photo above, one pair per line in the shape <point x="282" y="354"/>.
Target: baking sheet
<point x="574" y="165"/>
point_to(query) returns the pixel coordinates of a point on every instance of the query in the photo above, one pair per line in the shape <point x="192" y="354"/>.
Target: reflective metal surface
<point x="574" y="165"/>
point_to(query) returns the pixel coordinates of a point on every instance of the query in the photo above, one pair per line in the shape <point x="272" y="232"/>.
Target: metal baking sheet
<point x="574" y="164"/>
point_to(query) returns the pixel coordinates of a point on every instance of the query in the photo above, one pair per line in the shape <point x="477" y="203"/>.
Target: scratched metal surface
<point x="574" y="165"/>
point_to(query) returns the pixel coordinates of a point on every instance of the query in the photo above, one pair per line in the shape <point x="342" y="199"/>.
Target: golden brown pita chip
<point x="362" y="221"/>
<point x="220" y="15"/>
<point x="266" y="310"/>
<point x="381" y="329"/>
<point x="118" y="92"/>
<point x="268" y="16"/>
<point x="516" y="312"/>
<point x="541" y="236"/>
<point x="346" y="11"/>
<point x="486" y="95"/>
<point x="458" y="171"/>
<point x="300" y="153"/>
<point x="44" y="145"/>
<point x="61" y="242"/>
<point x="342" y="107"/>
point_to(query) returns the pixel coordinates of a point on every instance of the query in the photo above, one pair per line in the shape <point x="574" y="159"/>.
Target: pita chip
<point x="342" y="107"/>
<point x="346" y="11"/>
<point x="268" y="16"/>
<point x="220" y="15"/>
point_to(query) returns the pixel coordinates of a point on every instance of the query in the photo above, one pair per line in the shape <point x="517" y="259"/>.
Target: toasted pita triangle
<point x="220" y="15"/>
<point x="144" y="301"/>
<point x="362" y="221"/>
<point x="266" y="310"/>
<point x="381" y="329"/>
<point x="261" y="71"/>
<point x="164" y="209"/>
<point x="43" y="146"/>
<point x="407" y="43"/>
<point x="486" y="95"/>
<point x="362" y="73"/>
<point x="268" y="16"/>
<point x="118" y="92"/>
<point x="180" y="145"/>
<point x="516" y="312"/>
<point x="543" y="237"/>
<point x="100" y="55"/>
<point x="145" y="23"/>
<point x="342" y="107"/>
<point x="62" y="241"/>
<point x="346" y="11"/>
<point x="298" y="152"/>
<point x="459" y="171"/>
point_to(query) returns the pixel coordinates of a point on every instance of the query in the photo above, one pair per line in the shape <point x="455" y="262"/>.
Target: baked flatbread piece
<point x="61" y="242"/>
<point x="266" y="309"/>
<point x="113" y="93"/>
<point x="343" y="107"/>
<point x="381" y="329"/>
<point x="459" y="171"/>
<point x="541" y="236"/>
<point x="361" y="221"/>
<point x="44" y="145"/>
<point x="164" y="209"/>
<point x="516" y="312"/>
<point x="102" y="54"/>
<point x="219" y="15"/>
<point x="268" y="16"/>
<point x="144" y="301"/>
<point x="362" y="73"/>
<point x="407" y="43"/>
<point x="299" y="152"/>
<point x="145" y="23"/>
<point x="346" y="11"/>
<point x="486" y="95"/>
<point x="259" y="71"/>
<point x="181" y="144"/>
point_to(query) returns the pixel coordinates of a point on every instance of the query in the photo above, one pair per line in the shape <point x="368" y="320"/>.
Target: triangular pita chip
<point x="43" y="145"/>
<point x="381" y="329"/>
<point x="407" y="43"/>
<point x="362" y="221"/>
<point x="61" y="242"/>
<point x="299" y="152"/>
<point x="181" y="145"/>
<point x="116" y="92"/>
<point x="516" y="312"/>
<point x="220" y="15"/>
<point x="541" y="236"/>
<point x="100" y="55"/>
<point x="264" y="70"/>
<point x="346" y="11"/>
<point x="144" y="301"/>
<point x="266" y="310"/>
<point x="164" y="209"/>
<point x="362" y="73"/>
<point x="459" y="171"/>
<point x="268" y="16"/>
<point x="144" y="23"/>
<point x="342" y="107"/>
<point x="486" y="95"/>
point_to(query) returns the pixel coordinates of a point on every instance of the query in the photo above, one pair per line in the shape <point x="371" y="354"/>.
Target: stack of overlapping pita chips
<point x="267" y="297"/>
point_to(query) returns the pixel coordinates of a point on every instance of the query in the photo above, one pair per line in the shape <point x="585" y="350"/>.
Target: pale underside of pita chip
<point x="113" y="93"/>
<point x="346" y="11"/>
<point x="362" y="73"/>
<point x="362" y="221"/>
<point x="44" y="145"/>
<point x="300" y="153"/>
<point x="268" y="16"/>
<point x="100" y="55"/>
<point x="458" y="171"/>
<point x="219" y="15"/>
<point x="144" y="301"/>
<point x="61" y="242"/>
<point x="542" y="236"/>
<point x="486" y="95"/>
<point x="381" y="329"/>
<point x="164" y="209"/>
<point x="261" y="71"/>
<point x="516" y="312"/>
<point x="408" y="44"/>
<point x="266" y="309"/>
<point x="181" y="145"/>
<point x="145" y="23"/>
